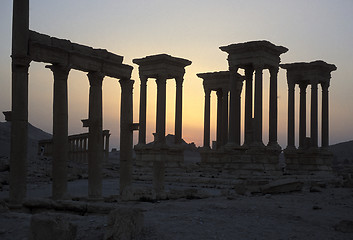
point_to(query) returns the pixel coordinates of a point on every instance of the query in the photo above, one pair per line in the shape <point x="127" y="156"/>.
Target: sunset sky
<point x="190" y="29"/>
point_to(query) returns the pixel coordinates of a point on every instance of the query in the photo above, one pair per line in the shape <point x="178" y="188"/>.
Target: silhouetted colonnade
<point x="253" y="57"/>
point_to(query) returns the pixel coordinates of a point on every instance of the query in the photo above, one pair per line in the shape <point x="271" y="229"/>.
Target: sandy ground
<point x="298" y="215"/>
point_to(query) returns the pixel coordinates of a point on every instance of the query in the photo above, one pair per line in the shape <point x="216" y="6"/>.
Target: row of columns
<point x="253" y="123"/>
<point x="78" y="147"/>
<point x="313" y="115"/>
<point x="161" y="109"/>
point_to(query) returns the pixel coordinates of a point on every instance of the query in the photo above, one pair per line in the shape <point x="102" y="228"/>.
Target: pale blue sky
<point x="192" y="29"/>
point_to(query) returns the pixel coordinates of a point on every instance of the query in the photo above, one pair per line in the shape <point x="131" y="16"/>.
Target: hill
<point x="34" y="135"/>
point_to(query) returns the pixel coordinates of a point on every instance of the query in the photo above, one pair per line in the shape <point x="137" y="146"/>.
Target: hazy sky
<point x="191" y="29"/>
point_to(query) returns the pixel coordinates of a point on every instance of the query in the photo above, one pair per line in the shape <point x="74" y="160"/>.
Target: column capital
<point x="143" y="79"/>
<point x="207" y="91"/>
<point x="95" y="78"/>
<point x="325" y="85"/>
<point x="303" y="86"/>
<point x="249" y="68"/>
<point x="291" y="83"/>
<point x="274" y="70"/>
<point x="179" y="80"/>
<point x="259" y="66"/>
<point x="21" y="61"/>
<point x="219" y="92"/>
<point x="59" y="70"/>
<point x="126" y="84"/>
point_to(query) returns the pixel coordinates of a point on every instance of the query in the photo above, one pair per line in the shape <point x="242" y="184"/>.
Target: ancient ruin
<point x="229" y="169"/>
<point x="308" y="157"/>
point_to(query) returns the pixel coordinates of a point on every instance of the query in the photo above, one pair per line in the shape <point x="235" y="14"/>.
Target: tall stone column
<point x="206" y="131"/>
<point x="302" y="115"/>
<point x="126" y="134"/>
<point x="178" y="109"/>
<point x="291" y="112"/>
<point x="325" y="118"/>
<point x="224" y="117"/>
<point x="248" y="105"/>
<point x="234" y="110"/>
<point x="60" y="131"/>
<point x="314" y="117"/>
<point x="143" y="100"/>
<point x="258" y="105"/>
<point x="219" y="118"/>
<point x="19" y="130"/>
<point x="19" y="114"/>
<point x="95" y="136"/>
<point x="273" y="108"/>
<point x="161" y="108"/>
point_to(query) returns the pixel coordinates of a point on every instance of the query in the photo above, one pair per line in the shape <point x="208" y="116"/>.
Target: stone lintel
<point x="255" y="53"/>
<point x="317" y="71"/>
<point x="218" y="80"/>
<point x="43" y="48"/>
<point x="161" y="65"/>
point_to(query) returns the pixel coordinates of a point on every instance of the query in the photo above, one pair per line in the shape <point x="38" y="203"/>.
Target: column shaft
<point x="233" y="108"/>
<point x="224" y="117"/>
<point x="314" y="116"/>
<point x="206" y="131"/>
<point x="273" y="107"/>
<point x="161" y="109"/>
<point x="219" y="118"/>
<point x="126" y="134"/>
<point x="19" y="132"/>
<point x="302" y="117"/>
<point x="248" y="135"/>
<point x="291" y="111"/>
<point x="178" y="110"/>
<point x="258" y="105"/>
<point x="95" y="136"/>
<point x="143" y="101"/>
<point x="19" y="115"/>
<point x="60" y="131"/>
<point x="325" y="116"/>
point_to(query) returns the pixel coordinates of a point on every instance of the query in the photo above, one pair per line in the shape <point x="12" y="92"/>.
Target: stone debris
<point x="124" y="224"/>
<point x="50" y="226"/>
<point x="282" y="186"/>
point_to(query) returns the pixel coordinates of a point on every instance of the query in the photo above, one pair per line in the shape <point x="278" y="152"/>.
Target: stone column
<point x="291" y="111"/>
<point x="273" y="108"/>
<point x="178" y="109"/>
<point x="248" y="136"/>
<point x="219" y="118"/>
<point x="19" y="115"/>
<point x="60" y="131"/>
<point x="206" y="131"/>
<point x="143" y="101"/>
<point x="302" y="116"/>
<point x="224" y="117"/>
<point x="161" y="107"/>
<point x="325" y="118"/>
<point x="314" y="117"/>
<point x="258" y="105"/>
<point x="234" y="110"/>
<point x="126" y="134"/>
<point x="95" y="136"/>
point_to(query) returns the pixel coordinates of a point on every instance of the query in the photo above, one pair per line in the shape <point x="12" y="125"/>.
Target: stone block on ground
<point x="50" y="226"/>
<point x="282" y="186"/>
<point x="124" y="224"/>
